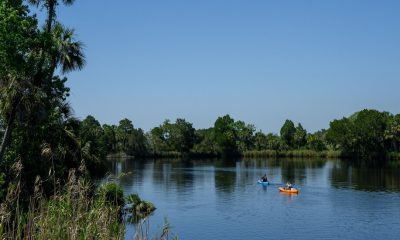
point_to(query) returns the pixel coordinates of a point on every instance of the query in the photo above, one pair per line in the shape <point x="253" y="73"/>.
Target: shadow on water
<point x="365" y="177"/>
<point x="292" y="169"/>
<point x="225" y="176"/>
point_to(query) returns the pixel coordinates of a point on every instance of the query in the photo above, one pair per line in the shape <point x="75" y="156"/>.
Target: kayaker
<point x="264" y="178"/>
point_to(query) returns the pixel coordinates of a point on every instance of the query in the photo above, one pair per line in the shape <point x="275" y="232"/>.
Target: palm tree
<point x="66" y="52"/>
<point x="50" y="6"/>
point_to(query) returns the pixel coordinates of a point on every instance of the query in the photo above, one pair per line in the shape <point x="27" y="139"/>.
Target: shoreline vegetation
<point x="246" y="154"/>
<point x="328" y="154"/>
<point x="367" y="136"/>
<point x="76" y="210"/>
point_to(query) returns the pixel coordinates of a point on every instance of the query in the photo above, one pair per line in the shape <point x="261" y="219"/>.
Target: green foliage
<point x="348" y="137"/>
<point x="339" y="134"/>
<point x="36" y="119"/>
<point x="93" y="149"/>
<point x="260" y="141"/>
<point x="124" y="130"/>
<point x="111" y="194"/>
<point x="225" y="136"/>
<point x="316" y="141"/>
<point x="245" y="135"/>
<point x="109" y="138"/>
<point x="392" y="133"/>
<point x="287" y="133"/>
<point x="274" y="142"/>
<point x="138" y="208"/>
<point x="205" y="144"/>
<point x="179" y="137"/>
<point x="128" y="139"/>
<point x="360" y="136"/>
<point x="71" y="213"/>
<point x="3" y="186"/>
<point x="304" y="153"/>
<point x="300" y="137"/>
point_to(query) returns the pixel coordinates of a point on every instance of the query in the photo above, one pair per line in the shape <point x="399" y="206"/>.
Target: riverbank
<point x="293" y="154"/>
<point x="75" y="211"/>
<point x="253" y="153"/>
<point x="305" y="153"/>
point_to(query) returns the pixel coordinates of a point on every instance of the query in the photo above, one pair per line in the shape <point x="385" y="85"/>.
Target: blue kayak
<point x="263" y="183"/>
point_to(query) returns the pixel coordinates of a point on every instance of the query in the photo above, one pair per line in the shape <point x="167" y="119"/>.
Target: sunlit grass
<point x="75" y="211"/>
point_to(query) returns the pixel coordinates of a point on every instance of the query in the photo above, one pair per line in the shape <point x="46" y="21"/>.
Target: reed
<point x="303" y="153"/>
<point x="74" y="211"/>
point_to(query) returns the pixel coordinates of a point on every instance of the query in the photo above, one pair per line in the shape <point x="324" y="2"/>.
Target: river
<point x="216" y="199"/>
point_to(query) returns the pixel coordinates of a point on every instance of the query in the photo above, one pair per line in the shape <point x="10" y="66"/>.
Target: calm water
<point x="221" y="199"/>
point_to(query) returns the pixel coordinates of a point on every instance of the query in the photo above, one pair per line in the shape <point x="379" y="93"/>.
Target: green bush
<point x="111" y="194"/>
<point x="3" y="186"/>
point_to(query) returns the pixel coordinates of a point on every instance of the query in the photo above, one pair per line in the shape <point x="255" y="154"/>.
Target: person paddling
<point x="264" y="178"/>
<point x="289" y="186"/>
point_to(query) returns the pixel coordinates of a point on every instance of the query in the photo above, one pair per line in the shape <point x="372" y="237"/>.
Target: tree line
<point x="367" y="134"/>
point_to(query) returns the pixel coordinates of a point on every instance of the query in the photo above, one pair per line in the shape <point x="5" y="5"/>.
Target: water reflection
<point x="366" y="178"/>
<point x="208" y="193"/>
<point x="229" y="176"/>
<point x="225" y="176"/>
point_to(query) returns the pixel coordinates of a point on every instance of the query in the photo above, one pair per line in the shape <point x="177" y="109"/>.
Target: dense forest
<point x="367" y="135"/>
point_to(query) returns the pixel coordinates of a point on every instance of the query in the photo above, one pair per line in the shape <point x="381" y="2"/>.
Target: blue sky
<point x="259" y="61"/>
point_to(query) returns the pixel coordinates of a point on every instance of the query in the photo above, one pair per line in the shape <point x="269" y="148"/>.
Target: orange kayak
<point x="293" y="190"/>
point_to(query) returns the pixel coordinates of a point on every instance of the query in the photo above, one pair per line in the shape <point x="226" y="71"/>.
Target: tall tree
<point x="225" y="136"/>
<point x="287" y="133"/>
<point x="392" y="133"/>
<point x="28" y="84"/>
<point x="362" y="135"/>
<point x="109" y="138"/>
<point x="300" y="137"/>
<point x="124" y="130"/>
<point x="18" y="37"/>
<point x="245" y="135"/>
<point x="50" y="6"/>
<point x="180" y="135"/>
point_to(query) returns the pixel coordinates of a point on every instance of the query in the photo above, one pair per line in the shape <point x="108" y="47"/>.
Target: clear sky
<point x="259" y="61"/>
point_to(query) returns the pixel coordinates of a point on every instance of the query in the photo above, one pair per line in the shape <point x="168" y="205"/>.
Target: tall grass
<point x="394" y="155"/>
<point x="293" y="154"/>
<point x="73" y="212"/>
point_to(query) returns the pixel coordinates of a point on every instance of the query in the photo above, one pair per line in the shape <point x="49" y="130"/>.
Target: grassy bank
<point x="74" y="212"/>
<point x="169" y="155"/>
<point x="293" y="154"/>
<point x="253" y="153"/>
<point x="394" y="156"/>
<point x="77" y="210"/>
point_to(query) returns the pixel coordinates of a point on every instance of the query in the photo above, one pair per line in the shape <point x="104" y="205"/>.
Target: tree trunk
<point x="50" y="16"/>
<point x="7" y="133"/>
